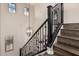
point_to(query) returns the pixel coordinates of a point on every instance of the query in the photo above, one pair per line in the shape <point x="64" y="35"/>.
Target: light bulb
<point x="26" y="11"/>
<point x="29" y="32"/>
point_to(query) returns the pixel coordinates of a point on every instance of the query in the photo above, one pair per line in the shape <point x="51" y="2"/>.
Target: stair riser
<point x="70" y="33"/>
<point x="62" y="52"/>
<point x="71" y="42"/>
<point x="71" y="26"/>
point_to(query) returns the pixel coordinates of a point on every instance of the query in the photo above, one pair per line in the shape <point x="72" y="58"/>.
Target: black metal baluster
<point x="25" y="50"/>
<point x="20" y="51"/>
<point x="36" y="41"/>
<point x="45" y="35"/>
<point x="29" y="48"/>
<point x="41" y="37"/>
<point x="40" y="40"/>
<point x="33" y="43"/>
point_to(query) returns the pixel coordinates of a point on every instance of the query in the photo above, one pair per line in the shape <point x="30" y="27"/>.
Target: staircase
<point x="68" y="41"/>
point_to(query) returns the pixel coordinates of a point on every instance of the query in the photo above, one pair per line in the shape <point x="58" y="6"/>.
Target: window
<point x="12" y="7"/>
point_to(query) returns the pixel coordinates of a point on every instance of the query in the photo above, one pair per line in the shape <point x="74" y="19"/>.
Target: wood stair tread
<point x="69" y="37"/>
<point x="71" y="23"/>
<point x="57" y="53"/>
<point x="70" y="32"/>
<point x="71" y="29"/>
<point x="67" y="48"/>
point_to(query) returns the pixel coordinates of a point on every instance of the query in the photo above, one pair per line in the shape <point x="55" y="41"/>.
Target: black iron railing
<point x="46" y="33"/>
<point x="37" y="43"/>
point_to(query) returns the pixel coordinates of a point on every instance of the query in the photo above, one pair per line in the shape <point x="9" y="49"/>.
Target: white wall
<point x="14" y="24"/>
<point x="0" y="30"/>
<point x="41" y="13"/>
<point x="71" y="12"/>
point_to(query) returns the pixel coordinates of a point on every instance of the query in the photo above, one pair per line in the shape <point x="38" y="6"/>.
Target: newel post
<point x="62" y="13"/>
<point x="50" y="17"/>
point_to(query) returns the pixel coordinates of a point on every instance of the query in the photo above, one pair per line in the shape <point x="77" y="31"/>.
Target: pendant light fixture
<point x="27" y="13"/>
